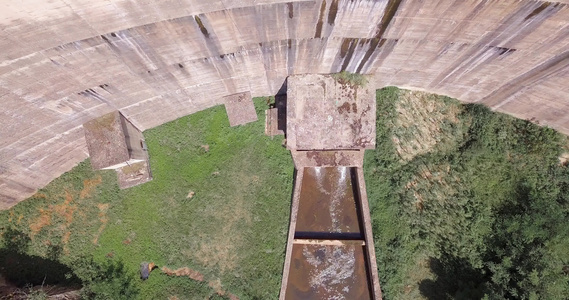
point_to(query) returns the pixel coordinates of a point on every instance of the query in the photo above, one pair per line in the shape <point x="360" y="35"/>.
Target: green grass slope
<point x="232" y="230"/>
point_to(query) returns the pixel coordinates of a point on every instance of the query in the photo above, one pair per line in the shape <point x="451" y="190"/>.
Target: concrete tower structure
<point x="65" y="62"/>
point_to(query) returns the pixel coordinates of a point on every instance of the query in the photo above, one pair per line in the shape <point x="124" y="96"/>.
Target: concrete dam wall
<point x="65" y="62"/>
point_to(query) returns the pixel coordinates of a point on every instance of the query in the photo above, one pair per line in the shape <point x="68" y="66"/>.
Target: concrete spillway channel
<point x="330" y="253"/>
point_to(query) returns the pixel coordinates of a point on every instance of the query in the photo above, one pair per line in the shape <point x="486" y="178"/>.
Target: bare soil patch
<point x="564" y="159"/>
<point x="62" y="211"/>
<point x="185" y="271"/>
<point x="67" y="209"/>
<point x="195" y="275"/>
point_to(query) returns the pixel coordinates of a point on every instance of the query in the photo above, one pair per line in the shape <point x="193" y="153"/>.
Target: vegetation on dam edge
<point x="465" y="204"/>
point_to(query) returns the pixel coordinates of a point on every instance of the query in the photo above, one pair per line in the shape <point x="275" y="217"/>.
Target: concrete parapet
<point x="349" y="158"/>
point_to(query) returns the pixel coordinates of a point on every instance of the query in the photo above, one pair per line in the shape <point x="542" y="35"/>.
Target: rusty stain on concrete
<point x="318" y="105"/>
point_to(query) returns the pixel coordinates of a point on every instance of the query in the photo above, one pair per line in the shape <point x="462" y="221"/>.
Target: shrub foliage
<point x="485" y="218"/>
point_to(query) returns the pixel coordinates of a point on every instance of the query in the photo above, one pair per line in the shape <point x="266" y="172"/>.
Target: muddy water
<point x="322" y="272"/>
<point x="328" y="210"/>
<point x="327" y="206"/>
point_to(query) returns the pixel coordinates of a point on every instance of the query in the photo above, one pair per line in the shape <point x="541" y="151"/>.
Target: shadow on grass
<point x="108" y="280"/>
<point x="455" y="279"/>
<point x="22" y="269"/>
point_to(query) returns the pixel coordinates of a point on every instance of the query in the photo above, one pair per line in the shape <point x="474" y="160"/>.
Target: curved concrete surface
<point x="64" y="62"/>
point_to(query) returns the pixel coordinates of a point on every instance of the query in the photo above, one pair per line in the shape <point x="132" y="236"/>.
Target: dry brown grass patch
<point x="418" y="123"/>
<point x="218" y="288"/>
<point x="564" y="159"/>
<point x="59" y="214"/>
<point x="185" y="271"/>
<point x="40" y="195"/>
<point x="43" y="220"/>
<point x="89" y="185"/>
<point x="103" y="208"/>
<point x="66" y="237"/>
<point x="419" y="271"/>
<point x="432" y="183"/>
<point x="11" y="216"/>
<point x="65" y="241"/>
<point x="65" y="210"/>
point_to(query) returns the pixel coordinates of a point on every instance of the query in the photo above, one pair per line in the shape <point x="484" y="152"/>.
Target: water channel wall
<point x="64" y="62"/>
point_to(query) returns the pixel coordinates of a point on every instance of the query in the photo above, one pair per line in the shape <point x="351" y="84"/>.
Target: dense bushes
<point x="486" y="217"/>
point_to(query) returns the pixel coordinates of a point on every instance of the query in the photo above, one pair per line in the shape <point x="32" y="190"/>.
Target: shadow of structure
<point x="22" y="269"/>
<point x="280" y="104"/>
<point x="108" y="280"/>
<point x="455" y="279"/>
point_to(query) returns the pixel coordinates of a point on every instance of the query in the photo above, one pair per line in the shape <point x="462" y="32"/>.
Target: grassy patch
<point x="233" y="229"/>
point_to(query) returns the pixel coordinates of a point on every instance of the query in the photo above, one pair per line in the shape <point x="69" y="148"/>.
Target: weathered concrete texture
<point x="320" y="104"/>
<point x="106" y="141"/>
<point x="330" y="240"/>
<point x="240" y="109"/>
<point x="334" y="115"/>
<point x="272" y="122"/>
<point x="64" y="62"/>
<point x="113" y="142"/>
<point x="275" y="117"/>
<point x="134" y="174"/>
<point x="350" y="158"/>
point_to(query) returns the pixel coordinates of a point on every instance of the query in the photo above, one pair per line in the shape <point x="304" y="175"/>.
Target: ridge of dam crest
<point x="69" y="64"/>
